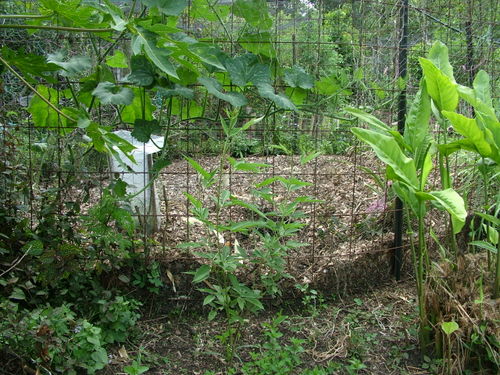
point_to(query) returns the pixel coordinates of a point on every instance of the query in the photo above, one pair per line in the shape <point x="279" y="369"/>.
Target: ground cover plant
<point x="87" y="287"/>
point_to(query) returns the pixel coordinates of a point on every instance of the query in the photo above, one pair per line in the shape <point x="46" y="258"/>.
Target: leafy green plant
<point x="409" y="162"/>
<point x="409" y="157"/>
<point x="116" y="318"/>
<point x="225" y="257"/>
<point x="55" y="339"/>
<point x="136" y="368"/>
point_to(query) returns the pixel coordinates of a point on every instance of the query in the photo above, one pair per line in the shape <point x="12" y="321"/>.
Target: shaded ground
<point x="370" y="333"/>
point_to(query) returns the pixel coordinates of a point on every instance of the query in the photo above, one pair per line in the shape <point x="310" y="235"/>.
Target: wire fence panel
<point x="321" y="56"/>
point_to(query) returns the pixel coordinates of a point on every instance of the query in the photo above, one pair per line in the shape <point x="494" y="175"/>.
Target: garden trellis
<point x="320" y="56"/>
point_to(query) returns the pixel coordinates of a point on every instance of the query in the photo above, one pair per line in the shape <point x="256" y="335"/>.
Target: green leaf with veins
<point x="118" y="60"/>
<point x="258" y="43"/>
<point x="73" y="66"/>
<point x="146" y="40"/>
<point x="42" y="114"/>
<point x="177" y="90"/>
<point x="167" y="7"/>
<point x="246" y="69"/>
<point x="201" y="9"/>
<point x="144" y="128"/>
<point x="30" y="65"/>
<point x="255" y="12"/>
<point x="213" y="87"/>
<point x="109" y="93"/>
<point x="142" y="73"/>
<point x="134" y="111"/>
<point x="280" y="100"/>
<point x="297" y="77"/>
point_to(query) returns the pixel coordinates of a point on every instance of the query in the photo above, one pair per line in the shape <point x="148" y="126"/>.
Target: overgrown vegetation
<point x="79" y="267"/>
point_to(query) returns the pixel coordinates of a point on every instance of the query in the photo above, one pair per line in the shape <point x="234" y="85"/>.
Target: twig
<point x="58" y="28"/>
<point x="16" y="262"/>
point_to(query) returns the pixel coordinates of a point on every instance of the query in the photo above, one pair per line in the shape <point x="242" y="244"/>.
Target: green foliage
<point x="109" y="93"/>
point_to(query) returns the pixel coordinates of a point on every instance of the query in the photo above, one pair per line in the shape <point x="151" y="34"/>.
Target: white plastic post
<point x="146" y="202"/>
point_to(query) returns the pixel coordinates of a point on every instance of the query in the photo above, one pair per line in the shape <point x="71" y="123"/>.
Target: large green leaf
<point x="440" y="87"/>
<point x="389" y="152"/>
<point x="32" y="66"/>
<point x="109" y="93"/>
<point x="371" y="120"/>
<point x="258" y="43"/>
<point x="417" y="120"/>
<point x="146" y="40"/>
<point x="144" y="128"/>
<point x="167" y="7"/>
<point x="452" y="202"/>
<point x="245" y="69"/>
<point x="280" y="100"/>
<point x="482" y="87"/>
<point x="118" y="60"/>
<point x="470" y="130"/>
<point x="73" y="66"/>
<point x="297" y="77"/>
<point x="255" y="12"/>
<point x="209" y="54"/>
<point x="207" y="10"/>
<point x="42" y="114"/>
<point x="135" y="111"/>
<point x="215" y="88"/>
<point x="438" y="54"/>
<point x="177" y="90"/>
<point x="142" y="73"/>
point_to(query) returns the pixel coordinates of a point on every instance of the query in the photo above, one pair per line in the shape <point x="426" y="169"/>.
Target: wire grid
<point x="356" y="44"/>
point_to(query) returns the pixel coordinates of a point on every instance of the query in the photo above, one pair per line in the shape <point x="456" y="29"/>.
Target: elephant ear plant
<point x="409" y="162"/>
<point x="409" y="159"/>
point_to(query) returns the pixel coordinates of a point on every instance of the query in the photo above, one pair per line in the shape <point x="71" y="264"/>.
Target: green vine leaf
<point x="118" y="60"/>
<point x="135" y="111"/>
<point x="246" y="69"/>
<point x="258" y="43"/>
<point x="31" y="65"/>
<point x="144" y="128"/>
<point x="255" y="12"/>
<point x="42" y="114"/>
<point x="146" y="40"/>
<point x="109" y="93"/>
<point x="142" y="73"/>
<point x="297" y="77"/>
<point x="177" y="90"/>
<point x="236" y="99"/>
<point x="280" y="100"/>
<point x="449" y="327"/>
<point x="73" y="66"/>
<point x="167" y="7"/>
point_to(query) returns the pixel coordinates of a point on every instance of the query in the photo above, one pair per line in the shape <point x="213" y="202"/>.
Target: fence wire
<point x="351" y="48"/>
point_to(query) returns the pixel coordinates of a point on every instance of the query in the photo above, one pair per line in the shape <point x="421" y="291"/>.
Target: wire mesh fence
<point x="352" y="52"/>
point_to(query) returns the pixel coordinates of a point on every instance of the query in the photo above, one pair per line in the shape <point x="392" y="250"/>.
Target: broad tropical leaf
<point x="440" y="87"/>
<point x="280" y="100"/>
<point x="452" y="202"/>
<point x="417" y="121"/>
<point x="388" y="151"/>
